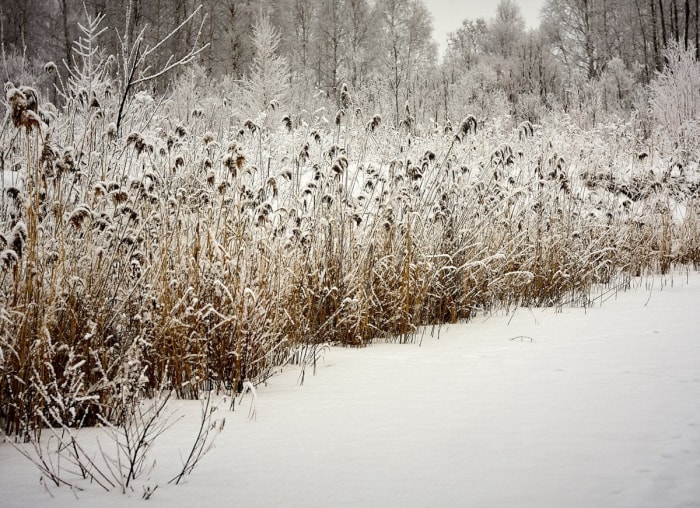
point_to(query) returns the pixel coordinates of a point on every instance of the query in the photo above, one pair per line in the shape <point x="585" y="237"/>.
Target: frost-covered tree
<point x="407" y="32"/>
<point x="361" y="34"/>
<point x="297" y="31"/>
<point x="268" y="82"/>
<point x="466" y="44"/>
<point x="507" y="29"/>
<point x="331" y="36"/>
<point x="570" y="27"/>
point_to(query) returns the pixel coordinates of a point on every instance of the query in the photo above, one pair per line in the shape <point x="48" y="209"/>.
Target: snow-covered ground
<point x="578" y="408"/>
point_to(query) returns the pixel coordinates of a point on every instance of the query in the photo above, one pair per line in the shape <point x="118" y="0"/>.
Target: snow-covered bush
<point x="675" y="98"/>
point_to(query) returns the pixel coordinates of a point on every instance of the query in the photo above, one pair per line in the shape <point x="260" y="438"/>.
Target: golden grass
<point x="159" y="260"/>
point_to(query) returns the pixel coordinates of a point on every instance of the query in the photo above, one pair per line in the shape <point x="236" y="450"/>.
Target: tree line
<point x="384" y="45"/>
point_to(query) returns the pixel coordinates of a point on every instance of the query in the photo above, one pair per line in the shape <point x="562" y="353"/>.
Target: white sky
<point x="448" y="14"/>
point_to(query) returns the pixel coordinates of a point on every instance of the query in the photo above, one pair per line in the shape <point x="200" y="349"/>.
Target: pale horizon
<point x="449" y="14"/>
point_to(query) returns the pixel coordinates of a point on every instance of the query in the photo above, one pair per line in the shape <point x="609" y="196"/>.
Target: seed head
<point x="8" y="258"/>
<point x="525" y="130"/>
<point x="24" y="107"/>
<point x="304" y="152"/>
<point x="251" y="126"/>
<point x="12" y="192"/>
<point x="111" y="131"/>
<point x="468" y="125"/>
<point x="287" y="122"/>
<point x="208" y="138"/>
<point x="345" y="98"/>
<point x="79" y="215"/>
<point x="374" y="123"/>
<point x="118" y="197"/>
<point x="18" y="238"/>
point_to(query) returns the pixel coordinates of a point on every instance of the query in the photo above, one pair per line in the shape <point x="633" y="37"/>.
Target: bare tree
<point x="686" y="20"/>
<point x="360" y="32"/>
<point x="331" y="40"/>
<point x="570" y="26"/>
<point x="465" y="44"/>
<point x="136" y="55"/>
<point x="407" y="33"/>
<point x="655" y="34"/>
<point x="507" y="28"/>
<point x="663" y="24"/>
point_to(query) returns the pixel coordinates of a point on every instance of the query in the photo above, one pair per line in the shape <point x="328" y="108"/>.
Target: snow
<point x="571" y="407"/>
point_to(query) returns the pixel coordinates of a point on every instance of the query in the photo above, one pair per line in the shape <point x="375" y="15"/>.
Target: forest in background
<point x="586" y="58"/>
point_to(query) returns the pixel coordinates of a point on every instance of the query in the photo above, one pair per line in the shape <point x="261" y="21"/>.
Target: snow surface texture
<point x="578" y="408"/>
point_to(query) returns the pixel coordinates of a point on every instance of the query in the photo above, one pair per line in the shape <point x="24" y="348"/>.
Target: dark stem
<point x="129" y="82"/>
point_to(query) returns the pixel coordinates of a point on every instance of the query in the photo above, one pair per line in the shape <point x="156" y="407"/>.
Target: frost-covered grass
<point x="533" y="408"/>
<point x="185" y="253"/>
<point x="196" y="249"/>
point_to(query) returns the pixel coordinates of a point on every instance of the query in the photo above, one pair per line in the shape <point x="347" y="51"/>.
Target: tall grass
<point x="195" y="252"/>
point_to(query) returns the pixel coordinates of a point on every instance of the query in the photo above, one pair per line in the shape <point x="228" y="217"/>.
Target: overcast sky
<point x="448" y="14"/>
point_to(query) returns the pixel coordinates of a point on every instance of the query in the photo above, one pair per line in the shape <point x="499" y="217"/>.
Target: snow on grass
<point x="544" y="408"/>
